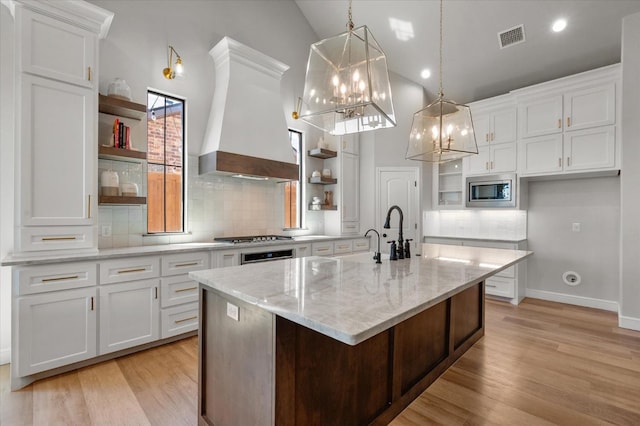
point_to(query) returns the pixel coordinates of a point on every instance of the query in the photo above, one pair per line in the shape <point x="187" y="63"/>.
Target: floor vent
<point x="511" y="36"/>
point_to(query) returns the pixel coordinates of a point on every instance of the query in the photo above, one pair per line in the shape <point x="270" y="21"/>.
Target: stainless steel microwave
<point x="491" y="191"/>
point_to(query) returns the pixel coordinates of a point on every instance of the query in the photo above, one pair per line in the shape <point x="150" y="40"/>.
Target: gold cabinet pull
<point x="92" y="303"/>
<point x="492" y="136"/>
<point x="185" y="319"/>
<point x="127" y="271"/>
<point x="568" y="161"/>
<point x="89" y="73"/>
<point x="486" y="137"/>
<point x="89" y="206"/>
<point x="180" y="290"/>
<point x="486" y="165"/>
<point x="559" y="162"/>
<point x="559" y="123"/>
<point x="58" y="238"/>
<point x="491" y="164"/>
<point x="70" y="277"/>
<point x="182" y="265"/>
<point x="323" y="249"/>
<point x="568" y="121"/>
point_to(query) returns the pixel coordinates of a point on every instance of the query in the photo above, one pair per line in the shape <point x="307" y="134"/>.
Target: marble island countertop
<point x="351" y="298"/>
<point x="31" y="258"/>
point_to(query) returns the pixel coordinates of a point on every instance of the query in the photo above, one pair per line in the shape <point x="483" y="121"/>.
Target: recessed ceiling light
<point x="426" y="73"/>
<point x="559" y="25"/>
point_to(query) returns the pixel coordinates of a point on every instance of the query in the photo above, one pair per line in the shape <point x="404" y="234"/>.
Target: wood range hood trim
<point x="222" y="162"/>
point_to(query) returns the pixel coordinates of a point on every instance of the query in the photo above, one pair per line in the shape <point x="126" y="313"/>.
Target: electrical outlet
<point x="233" y="311"/>
<point x="575" y="227"/>
<point x="106" y="231"/>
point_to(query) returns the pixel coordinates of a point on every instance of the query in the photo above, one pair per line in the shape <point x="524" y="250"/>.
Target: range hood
<point x="247" y="131"/>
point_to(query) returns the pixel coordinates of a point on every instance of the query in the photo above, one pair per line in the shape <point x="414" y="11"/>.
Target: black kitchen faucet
<point x="388" y="226"/>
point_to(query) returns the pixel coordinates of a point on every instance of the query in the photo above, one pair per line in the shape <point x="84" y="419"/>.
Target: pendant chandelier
<point x="443" y="130"/>
<point x="346" y="87"/>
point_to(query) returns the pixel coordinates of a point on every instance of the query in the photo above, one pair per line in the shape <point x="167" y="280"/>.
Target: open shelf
<point x="121" y="107"/>
<point x="322" y="153"/>
<point x="121" y="200"/>
<point x="322" y="207"/>
<point x="120" y="154"/>
<point x="319" y="180"/>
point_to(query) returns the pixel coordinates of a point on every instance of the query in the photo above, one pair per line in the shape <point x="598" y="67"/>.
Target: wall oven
<point x="491" y="191"/>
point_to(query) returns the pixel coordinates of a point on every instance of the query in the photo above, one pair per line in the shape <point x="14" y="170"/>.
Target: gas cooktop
<point x="252" y="239"/>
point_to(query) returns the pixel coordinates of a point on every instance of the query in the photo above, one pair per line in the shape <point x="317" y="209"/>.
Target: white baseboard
<point x="588" y="302"/>
<point x="5" y="356"/>
<point x="629" y="322"/>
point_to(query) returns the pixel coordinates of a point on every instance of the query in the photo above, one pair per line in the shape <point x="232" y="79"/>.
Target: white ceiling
<point x="474" y="65"/>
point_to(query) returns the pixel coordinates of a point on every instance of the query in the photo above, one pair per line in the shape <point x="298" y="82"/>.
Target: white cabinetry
<point x="57" y="51"/>
<point x="569" y="125"/>
<point x="346" y="220"/>
<point x="179" y="293"/>
<point x="448" y="184"/>
<point x="129" y="302"/>
<point x="54" y="316"/>
<point x="495" y="124"/>
<point x="510" y="283"/>
<point x="227" y="258"/>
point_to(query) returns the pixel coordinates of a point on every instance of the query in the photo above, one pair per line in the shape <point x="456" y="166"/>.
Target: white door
<point x="478" y="164"/>
<point x="503" y="158"/>
<point x="590" y="149"/>
<point x="541" y="116"/>
<point x="58" y="153"/>
<point x="595" y="106"/>
<point x="541" y="155"/>
<point x="55" y="329"/>
<point x="504" y="126"/>
<point x="399" y="186"/>
<point x="129" y="314"/>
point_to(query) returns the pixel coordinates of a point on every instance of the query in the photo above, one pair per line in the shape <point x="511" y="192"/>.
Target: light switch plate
<point x="575" y="227"/>
<point x="233" y="311"/>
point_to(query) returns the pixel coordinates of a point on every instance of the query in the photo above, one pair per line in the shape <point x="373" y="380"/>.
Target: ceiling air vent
<point x="511" y="36"/>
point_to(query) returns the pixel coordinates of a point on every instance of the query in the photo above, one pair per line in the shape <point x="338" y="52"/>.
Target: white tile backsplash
<point x="216" y="206"/>
<point x="484" y="224"/>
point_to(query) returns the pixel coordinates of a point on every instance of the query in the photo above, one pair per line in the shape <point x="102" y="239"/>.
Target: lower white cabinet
<point x="302" y="250"/>
<point x="342" y="247"/>
<point x="179" y="319"/>
<point x="129" y="314"/>
<point x="227" y="258"/>
<point x="509" y="283"/>
<point x="322" y="249"/>
<point x="55" y="329"/>
<point x="361" y="244"/>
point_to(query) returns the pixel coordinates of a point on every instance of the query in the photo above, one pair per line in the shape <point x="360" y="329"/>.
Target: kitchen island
<point x="318" y="340"/>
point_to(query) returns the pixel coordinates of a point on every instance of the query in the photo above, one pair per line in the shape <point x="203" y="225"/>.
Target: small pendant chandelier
<point x="347" y="87"/>
<point x="443" y="130"/>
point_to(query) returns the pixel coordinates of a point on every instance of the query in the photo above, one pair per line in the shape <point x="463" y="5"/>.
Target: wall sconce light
<point x="169" y="73"/>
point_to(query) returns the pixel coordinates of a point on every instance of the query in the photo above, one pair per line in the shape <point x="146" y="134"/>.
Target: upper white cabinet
<point x="58" y="154"/>
<point x="569" y="125"/>
<point x="574" y="110"/>
<point x="57" y="50"/>
<point x="56" y="131"/>
<point x="495" y="124"/>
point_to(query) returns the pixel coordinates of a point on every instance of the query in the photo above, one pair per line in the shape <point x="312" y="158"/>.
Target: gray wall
<point x="593" y="252"/>
<point x="630" y="229"/>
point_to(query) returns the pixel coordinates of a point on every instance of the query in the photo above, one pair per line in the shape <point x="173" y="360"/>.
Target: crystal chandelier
<point x="443" y="130"/>
<point x="347" y="87"/>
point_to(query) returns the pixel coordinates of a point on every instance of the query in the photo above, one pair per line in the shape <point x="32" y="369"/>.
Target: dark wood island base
<point x="265" y="369"/>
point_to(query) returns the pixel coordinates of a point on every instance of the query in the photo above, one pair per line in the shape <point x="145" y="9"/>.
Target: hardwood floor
<point x="539" y="363"/>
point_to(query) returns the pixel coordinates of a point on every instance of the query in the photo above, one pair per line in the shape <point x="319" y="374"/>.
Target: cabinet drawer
<point x="40" y="279"/>
<point x="350" y="228"/>
<point x="361" y="244"/>
<point x="179" y="319"/>
<point x="121" y="270"/>
<point x="181" y="263"/>
<point x="497" y="286"/>
<point x="56" y="238"/>
<point x="303" y="250"/>
<point x="178" y="290"/>
<point x="342" y="247"/>
<point x="322" y="249"/>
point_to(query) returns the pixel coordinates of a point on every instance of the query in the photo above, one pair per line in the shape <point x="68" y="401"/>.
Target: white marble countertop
<point x="36" y="258"/>
<point x="351" y="298"/>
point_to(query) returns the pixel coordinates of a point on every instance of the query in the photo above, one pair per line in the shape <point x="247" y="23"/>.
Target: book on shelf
<point x="121" y="135"/>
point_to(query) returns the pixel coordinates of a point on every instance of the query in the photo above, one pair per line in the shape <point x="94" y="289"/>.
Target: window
<point x="293" y="189"/>
<point x="165" y="158"/>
